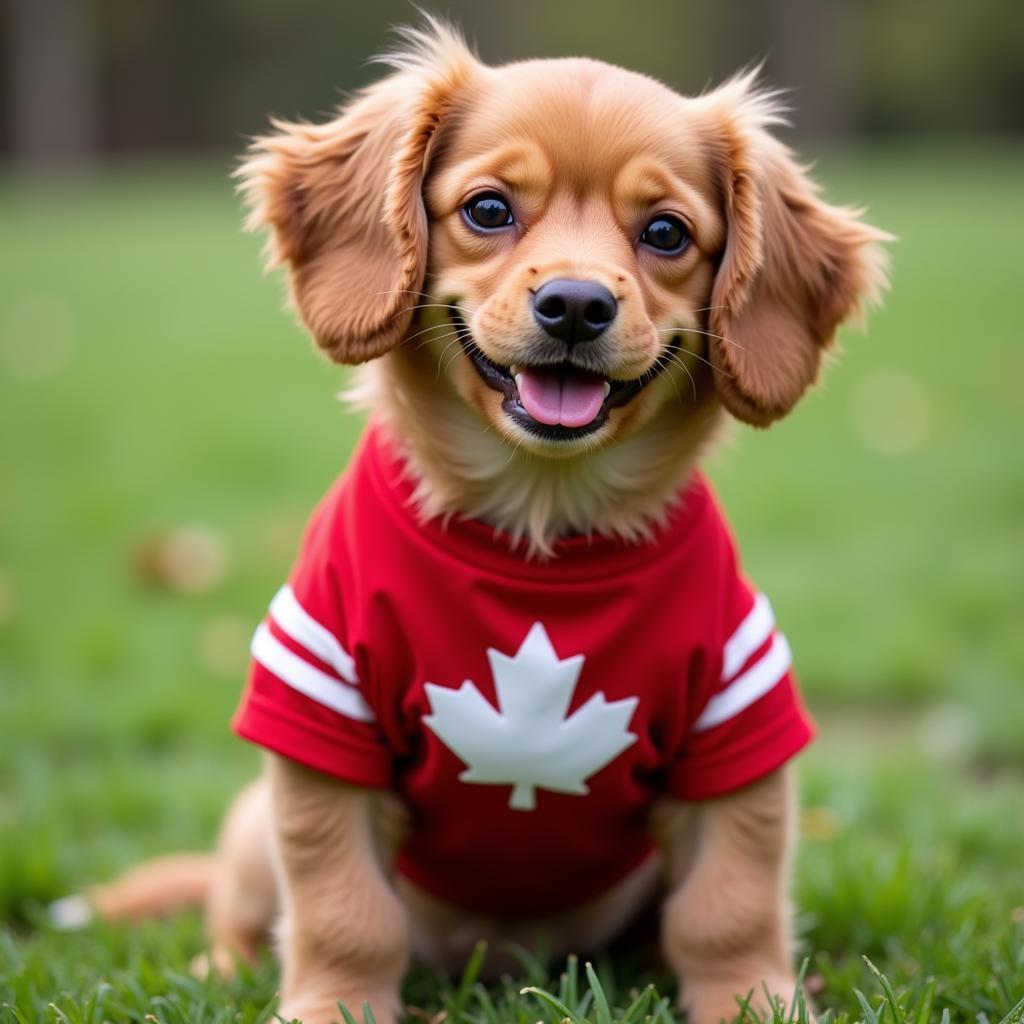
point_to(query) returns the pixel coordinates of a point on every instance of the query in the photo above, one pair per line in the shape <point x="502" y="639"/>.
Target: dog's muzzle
<point x="559" y="401"/>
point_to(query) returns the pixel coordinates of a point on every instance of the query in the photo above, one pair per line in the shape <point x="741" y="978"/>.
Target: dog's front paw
<point x="386" y="1008"/>
<point x="717" y="1001"/>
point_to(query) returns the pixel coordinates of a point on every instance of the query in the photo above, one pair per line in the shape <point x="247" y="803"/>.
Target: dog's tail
<point x="154" y="888"/>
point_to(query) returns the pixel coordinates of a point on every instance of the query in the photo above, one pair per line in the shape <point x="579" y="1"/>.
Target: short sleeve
<point x="751" y="719"/>
<point x="304" y="698"/>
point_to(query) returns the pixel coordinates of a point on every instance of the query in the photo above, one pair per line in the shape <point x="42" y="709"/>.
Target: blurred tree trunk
<point x="812" y="52"/>
<point x="55" y="112"/>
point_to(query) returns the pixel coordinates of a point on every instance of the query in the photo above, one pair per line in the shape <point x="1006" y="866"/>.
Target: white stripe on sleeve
<point x="306" y="678"/>
<point x="761" y="677"/>
<point x="294" y="620"/>
<point x="750" y="634"/>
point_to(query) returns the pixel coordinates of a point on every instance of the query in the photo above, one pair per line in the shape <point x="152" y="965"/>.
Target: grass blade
<point x="661" y="1013"/>
<point x="797" y="1006"/>
<point x="346" y="1014"/>
<point x="636" y="1010"/>
<point x="572" y="981"/>
<point x="601" y="1009"/>
<point x="924" y="1007"/>
<point x="552" y="1001"/>
<point x="1016" y="1015"/>
<point x="898" y="1016"/>
<point x="460" y="997"/>
<point x="870" y="1016"/>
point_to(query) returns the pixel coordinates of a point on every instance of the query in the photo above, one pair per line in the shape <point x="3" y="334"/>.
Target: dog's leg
<point x="344" y="933"/>
<point x="242" y="902"/>
<point x="727" y="921"/>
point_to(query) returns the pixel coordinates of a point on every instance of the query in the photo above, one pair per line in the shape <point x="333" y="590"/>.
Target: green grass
<point x="148" y="380"/>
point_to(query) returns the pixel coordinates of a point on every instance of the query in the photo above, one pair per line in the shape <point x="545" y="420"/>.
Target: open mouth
<point x="556" y="401"/>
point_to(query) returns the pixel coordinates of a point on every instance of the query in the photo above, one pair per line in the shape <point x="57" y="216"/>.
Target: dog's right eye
<point x="488" y="211"/>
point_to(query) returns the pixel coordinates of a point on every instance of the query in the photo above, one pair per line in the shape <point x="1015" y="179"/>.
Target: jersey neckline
<point x="471" y="541"/>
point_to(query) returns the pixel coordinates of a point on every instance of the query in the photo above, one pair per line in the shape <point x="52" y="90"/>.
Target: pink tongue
<point x="553" y="397"/>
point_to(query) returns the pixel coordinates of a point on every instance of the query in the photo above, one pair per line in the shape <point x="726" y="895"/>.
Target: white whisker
<point x="432" y="327"/>
<point x="400" y="291"/>
<point x="441" y="368"/>
<point x="674" y="360"/>
<point x="448" y="306"/>
<point x="675" y="386"/>
<point x="697" y="330"/>
<point x="444" y="337"/>
<point x="707" y="362"/>
<point x="707" y="309"/>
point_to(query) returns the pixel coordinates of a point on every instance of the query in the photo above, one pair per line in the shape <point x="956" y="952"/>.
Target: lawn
<point x="165" y="428"/>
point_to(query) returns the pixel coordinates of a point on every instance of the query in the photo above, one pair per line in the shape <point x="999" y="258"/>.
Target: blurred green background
<point x="165" y="428"/>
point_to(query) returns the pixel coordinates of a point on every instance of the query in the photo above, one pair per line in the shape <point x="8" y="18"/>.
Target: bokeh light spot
<point x="891" y="412"/>
<point x="191" y="559"/>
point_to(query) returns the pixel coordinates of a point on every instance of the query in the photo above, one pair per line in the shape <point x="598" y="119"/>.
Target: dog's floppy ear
<point x="794" y="268"/>
<point x="343" y="200"/>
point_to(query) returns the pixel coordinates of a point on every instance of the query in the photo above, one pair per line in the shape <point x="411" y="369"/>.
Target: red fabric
<point x="417" y="603"/>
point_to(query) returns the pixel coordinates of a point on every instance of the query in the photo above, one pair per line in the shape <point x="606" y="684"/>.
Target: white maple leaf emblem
<point x="528" y="742"/>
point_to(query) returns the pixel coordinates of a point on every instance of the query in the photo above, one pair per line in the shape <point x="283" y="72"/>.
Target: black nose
<point x="574" y="311"/>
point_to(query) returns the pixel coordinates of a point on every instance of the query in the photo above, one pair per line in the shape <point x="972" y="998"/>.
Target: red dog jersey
<point x="527" y="712"/>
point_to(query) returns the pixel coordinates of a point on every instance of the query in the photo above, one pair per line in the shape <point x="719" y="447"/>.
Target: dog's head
<point x="567" y="239"/>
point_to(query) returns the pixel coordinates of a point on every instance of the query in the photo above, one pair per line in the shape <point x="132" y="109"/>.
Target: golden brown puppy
<point x="560" y="276"/>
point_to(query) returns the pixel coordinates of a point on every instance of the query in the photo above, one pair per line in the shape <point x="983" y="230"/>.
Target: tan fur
<point x="757" y="298"/>
<point x="793" y="270"/>
<point x="726" y="925"/>
<point x="242" y="899"/>
<point x="344" y="202"/>
<point x="622" y="489"/>
<point x="343" y="933"/>
<point x="154" y="888"/>
<point x="365" y="213"/>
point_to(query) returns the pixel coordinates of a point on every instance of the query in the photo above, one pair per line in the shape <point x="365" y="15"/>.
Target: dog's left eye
<point x="667" y="234"/>
<point x="488" y="211"/>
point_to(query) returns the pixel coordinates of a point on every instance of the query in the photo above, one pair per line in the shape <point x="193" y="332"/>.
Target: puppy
<point x="517" y="685"/>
